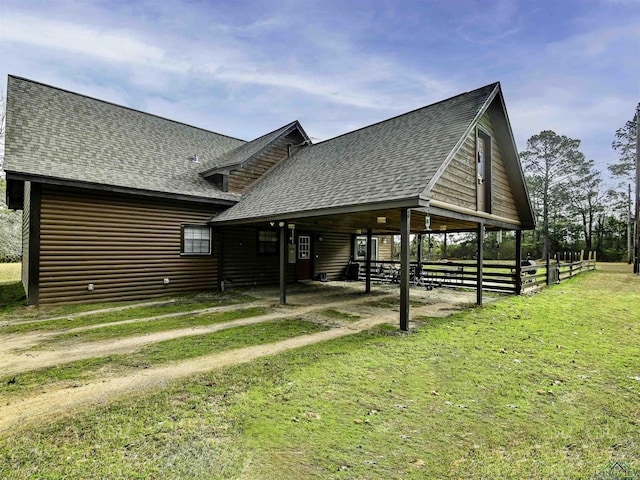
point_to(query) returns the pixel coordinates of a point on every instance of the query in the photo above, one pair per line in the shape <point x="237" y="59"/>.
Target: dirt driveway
<point x="18" y="353"/>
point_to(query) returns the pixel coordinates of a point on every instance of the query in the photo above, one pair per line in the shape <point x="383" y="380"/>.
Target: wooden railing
<point x="500" y="277"/>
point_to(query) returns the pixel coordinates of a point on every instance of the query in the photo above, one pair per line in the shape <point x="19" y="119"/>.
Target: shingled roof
<point x="390" y="161"/>
<point x="56" y="134"/>
<point x="243" y="153"/>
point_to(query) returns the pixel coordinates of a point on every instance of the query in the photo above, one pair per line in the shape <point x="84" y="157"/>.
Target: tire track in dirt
<point x="52" y="405"/>
<point x="15" y="362"/>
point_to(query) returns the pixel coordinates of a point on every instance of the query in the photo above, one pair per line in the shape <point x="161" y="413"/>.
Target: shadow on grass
<point x="11" y="296"/>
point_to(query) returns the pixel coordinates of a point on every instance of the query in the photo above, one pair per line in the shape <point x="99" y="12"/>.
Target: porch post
<point x="419" y="253"/>
<point x="480" y="262"/>
<point x="405" y="228"/>
<point x="283" y="264"/>
<point x="518" y="268"/>
<point x="368" y="263"/>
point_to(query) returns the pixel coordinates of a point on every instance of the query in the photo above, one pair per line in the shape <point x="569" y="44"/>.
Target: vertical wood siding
<point x="124" y="246"/>
<point x="457" y="185"/>
<point x="333" y="254"/>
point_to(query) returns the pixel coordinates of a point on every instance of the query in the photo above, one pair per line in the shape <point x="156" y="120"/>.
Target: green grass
<point x="37" y="315"/>
<point x="458" y="399"/>
<point x="156" y="354"/>
<point x="10" y="272"/>
<point x="11" y="297"/>
<point x="110" y="332"/>
<point x="185" y="304"/>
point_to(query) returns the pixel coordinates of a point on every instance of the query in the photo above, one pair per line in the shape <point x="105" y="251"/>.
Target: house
<point x="120" y="205"/>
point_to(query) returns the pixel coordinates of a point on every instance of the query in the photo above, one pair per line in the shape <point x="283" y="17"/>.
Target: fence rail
<point x="500" y="277"/>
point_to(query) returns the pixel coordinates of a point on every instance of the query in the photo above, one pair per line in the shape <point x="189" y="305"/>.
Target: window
<point x="196" y="239"/>
<point x="361" y="248"/>
<point x="267" y="242"/>
<point x="304" y="247"/>
<point x="483" y="170"/>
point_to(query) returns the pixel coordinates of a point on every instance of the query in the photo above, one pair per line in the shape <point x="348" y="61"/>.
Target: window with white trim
<point x="196" y="240"/>
<point x="361" y="248"/>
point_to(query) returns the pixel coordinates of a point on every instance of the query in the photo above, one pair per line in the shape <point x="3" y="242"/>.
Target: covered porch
<point x="389" y="219"/>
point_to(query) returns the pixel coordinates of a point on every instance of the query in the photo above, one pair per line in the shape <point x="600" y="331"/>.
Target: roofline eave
<point x="44" y="179"/>
<point x="411" y="202"/>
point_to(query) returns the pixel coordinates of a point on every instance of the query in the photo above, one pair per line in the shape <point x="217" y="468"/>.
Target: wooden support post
<point x="480" y="263"/>
<point x="419" y="254"/>
<point x="368" y="263"/>
<point x="548" y="259"/>
<point x="518" y="268"/>
<point x="444" y="247"/>
<point x="283" y="264"/>
<point x="405" y="230"/>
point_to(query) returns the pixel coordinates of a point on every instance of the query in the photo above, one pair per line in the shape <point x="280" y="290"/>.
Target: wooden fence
<point x="498" y="276"/>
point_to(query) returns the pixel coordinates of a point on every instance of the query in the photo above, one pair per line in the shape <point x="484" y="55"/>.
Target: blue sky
<point x="244" y="68"/>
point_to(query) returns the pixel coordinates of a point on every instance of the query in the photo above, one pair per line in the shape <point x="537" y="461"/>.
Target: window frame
<point x="259" y="243"/>
<point x="487" y="169"/>
<point x="183" y="240"/>
<point x="375" y="248"/>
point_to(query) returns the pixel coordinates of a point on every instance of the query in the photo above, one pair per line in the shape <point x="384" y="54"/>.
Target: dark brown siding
<point x="243" y="178"/>
<point x="31" y="241"/>
<point x="241" y="264"/>
<point x="124" y="246"/>
<point x="26" y="216"/>
<point x="333" y="254"/>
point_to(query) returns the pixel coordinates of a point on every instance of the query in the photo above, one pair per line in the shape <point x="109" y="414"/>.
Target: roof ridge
<point x="493" y="85"/>
<point x="121" y="106"/>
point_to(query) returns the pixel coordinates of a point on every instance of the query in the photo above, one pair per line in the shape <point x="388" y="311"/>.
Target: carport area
<point x="385" y="220"/>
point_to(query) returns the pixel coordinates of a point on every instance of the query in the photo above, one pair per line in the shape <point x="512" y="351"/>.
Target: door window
<point x="304" y="247"/>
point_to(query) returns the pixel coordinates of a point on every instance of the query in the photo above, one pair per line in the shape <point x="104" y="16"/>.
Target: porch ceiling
<point x="359" y="222"/>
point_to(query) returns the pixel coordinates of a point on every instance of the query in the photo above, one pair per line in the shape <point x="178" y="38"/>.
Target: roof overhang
<point x="116" y="189"/>
<point x="381" y="218"/>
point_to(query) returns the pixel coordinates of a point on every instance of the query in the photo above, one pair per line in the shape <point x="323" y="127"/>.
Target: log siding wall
<point x="26" y="216"/>
<point x="241" y="264"/>
<point x="333" y="254"/>
<point x="124" y="246"/>
<point x="457" y="185"/>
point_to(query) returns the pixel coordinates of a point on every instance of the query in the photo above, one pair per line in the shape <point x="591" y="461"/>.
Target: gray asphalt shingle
<point x="390" y="160"/>
<point x="55" y="133"/>
<point x="244" y="152"/>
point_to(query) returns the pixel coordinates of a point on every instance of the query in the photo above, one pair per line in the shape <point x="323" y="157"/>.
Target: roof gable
<point x="393" y="160"/>
<point x="53" y="133"/>
<point x="237" y="157"/>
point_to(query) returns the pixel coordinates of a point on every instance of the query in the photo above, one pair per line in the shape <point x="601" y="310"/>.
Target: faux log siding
<point x="457" y="185"/>
<point x="241" y="179"/>
<point x="125" y="249"/>
<point x="333" y="254"/>
<point x="502" y="198"/>
<point x="241" y="264"/>
<point x="26" y="213"/>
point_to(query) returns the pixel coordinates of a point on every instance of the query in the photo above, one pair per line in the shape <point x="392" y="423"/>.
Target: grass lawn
<point x="546" y="386"/>
<point x="9" y="272"/>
